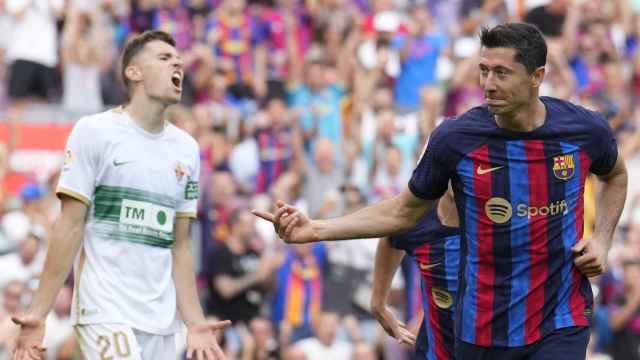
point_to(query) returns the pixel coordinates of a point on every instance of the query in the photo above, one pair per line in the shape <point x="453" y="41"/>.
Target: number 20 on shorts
<point x="117" y="344"/>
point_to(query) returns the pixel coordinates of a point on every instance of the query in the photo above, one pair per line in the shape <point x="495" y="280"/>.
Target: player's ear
<point x="537" y="76"/>
<point x="133" y="73"/>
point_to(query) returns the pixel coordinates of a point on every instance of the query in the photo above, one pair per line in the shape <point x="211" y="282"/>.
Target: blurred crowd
<point x="325" y="104"/>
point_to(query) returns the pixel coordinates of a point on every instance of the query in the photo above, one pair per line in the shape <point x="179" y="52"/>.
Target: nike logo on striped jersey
<point x="428" y="266"/>
<point x="482" y="171"/>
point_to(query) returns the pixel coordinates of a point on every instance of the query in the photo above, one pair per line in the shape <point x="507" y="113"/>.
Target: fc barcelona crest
<point x="563" y="167"/>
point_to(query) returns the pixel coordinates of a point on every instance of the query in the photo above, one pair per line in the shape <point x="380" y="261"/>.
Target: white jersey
<point x="136" y="184"/>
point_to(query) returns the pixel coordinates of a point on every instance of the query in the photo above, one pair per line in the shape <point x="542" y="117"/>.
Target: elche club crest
<point x="563" y="166"/>
<point x="180" y="171"/>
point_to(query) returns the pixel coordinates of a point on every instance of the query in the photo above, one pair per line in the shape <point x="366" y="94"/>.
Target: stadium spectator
<point x="419" y="52"/>
<point x="322" y="179"/>
<point x="325" y="345"/>
<point x="297" y="300"/>
<point x="239" y="275"/>
<point x="32" y="50"/>
<point x="85" y="51"/>
<point x="237" y="38"/>
<point x="265" y="345"/>
<point x="293" y="353"/>
<point x="279" y="146"/>
<point x="624" y="310"/>
<point x="25" y="264"/>
<point x="363" y="351"/>
<point x="318" y="102"/>
<point x="13" y="296"/>
<point x="219" y="199"/>
<point x="549" y="18"/>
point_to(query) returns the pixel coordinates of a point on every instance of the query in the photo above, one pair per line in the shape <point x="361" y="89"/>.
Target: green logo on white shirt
<point x="191" y="190"/>
<point x="117" y="163"/>
<point x="145" y="214"/>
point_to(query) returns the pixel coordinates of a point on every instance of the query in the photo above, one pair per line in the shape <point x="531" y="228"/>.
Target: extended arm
<point x="388" y="217"/>
<point x="184" y="277"/>
<point x="64" y="244"/>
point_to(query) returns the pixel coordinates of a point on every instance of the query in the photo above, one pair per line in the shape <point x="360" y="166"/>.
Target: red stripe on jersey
<point x="577" y="302"/>
<point x="483" y="189"/>
<point x="422" y="255"/>
<point x="538" y="198"/>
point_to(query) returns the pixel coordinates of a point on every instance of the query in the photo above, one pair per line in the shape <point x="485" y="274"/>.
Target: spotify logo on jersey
<point x="498" y="210"/>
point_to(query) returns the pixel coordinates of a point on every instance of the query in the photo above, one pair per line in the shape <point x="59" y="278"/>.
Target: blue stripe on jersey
<point x="412" y="276"/>
<point x="469" y="303"/>
<point x="562" y="316"/>
<point x="518" y="180"/>
<point x="452" y="265"/>
<point x="431" y="351"/>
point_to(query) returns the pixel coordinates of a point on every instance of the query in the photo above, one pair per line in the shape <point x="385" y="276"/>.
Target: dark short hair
<point x="525" y="39"/>
<point x="136" y="44"/>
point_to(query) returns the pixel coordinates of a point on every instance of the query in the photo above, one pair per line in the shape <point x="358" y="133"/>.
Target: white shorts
<point x="119" y="342"/>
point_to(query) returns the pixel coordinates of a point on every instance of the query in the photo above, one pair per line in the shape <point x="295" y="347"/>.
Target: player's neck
<point x="527" y="118"/>
<point x="147" y="113"/>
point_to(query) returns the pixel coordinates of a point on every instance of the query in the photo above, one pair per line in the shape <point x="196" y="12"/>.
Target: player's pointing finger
<point x="263" y="214"/>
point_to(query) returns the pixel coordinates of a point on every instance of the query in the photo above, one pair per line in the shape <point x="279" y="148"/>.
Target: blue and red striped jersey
<point x="436" y="250"/>
<point x="520" y="200"/>
<point x="276" y="155"/>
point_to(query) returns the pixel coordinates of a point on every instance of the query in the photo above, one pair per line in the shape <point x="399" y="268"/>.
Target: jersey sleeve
<point x="605" y="147"/>
<point x="401" y="242"/>
<point x="188" y="203"/>
<point x="431" y="176"/>
<point x="80" y="168"/>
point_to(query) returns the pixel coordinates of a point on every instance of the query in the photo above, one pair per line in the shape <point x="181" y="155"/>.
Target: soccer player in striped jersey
<point x="434" y="244"/>
<point x="518" y="166"/>
<point x="128" y="188"/>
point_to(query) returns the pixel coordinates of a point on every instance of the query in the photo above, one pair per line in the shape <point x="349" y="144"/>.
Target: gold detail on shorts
<point x="120" y="342"/>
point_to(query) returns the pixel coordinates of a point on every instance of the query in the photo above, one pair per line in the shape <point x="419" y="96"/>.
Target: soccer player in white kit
<point x="128" y="187"/>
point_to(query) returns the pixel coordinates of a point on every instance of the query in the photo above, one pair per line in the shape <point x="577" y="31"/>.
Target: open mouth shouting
<point x="176" y="79"/>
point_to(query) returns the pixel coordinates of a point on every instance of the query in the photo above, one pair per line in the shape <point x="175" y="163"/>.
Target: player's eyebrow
<point x="496" y="67"/>
<point x="168" y="54"/>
